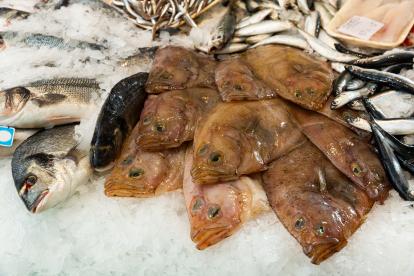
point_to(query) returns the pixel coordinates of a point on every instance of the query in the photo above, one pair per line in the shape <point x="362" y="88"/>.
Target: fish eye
<point x="146" y="121"/>
<point x="300" y="222"/>
<point x="320" y="230"/>
<point x="238" y="87"/>
<point x="356" y="169"/>
<point x="213" y="212"/>
<point x="203" y="150"/>
<point x="30" y="180"/>
<point x="136" y="172"/>
<point x="198" y="203"/>
<point x="166" y="76"/>
<point x="158" y="127"/>
<point x="215" y="158"/>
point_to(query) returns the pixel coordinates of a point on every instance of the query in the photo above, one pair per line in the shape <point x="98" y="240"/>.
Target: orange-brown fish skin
<point x="240" y="138"/>
<point x="169" y="119"/>
<point x="236" y="82"/>
<point x="292" y="74"/>
<point x="177" y="68"/>
<point x="138" y="173"/>
<point x="349" y="153"/>
<point x="217" y="211"/>
<point x="317" y="204"/>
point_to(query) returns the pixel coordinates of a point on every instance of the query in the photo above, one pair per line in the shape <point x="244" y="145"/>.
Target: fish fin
<point x="59" y="120"/>
<point x="49" y="99"/>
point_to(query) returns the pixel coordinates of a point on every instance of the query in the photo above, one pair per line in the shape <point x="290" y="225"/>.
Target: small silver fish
<point x="224" y="31"/>
<point x="392" y="126"/>
<point x="289" y="40"/>
<point x="253" y="19"/>
<point x="264" y="27"/>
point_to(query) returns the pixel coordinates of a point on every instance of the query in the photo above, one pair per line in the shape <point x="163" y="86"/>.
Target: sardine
<point x="325" y="51"/>
<point x="119" y="114"/>
<point x="169" y="119"/>
<point x="240" y="138"/>
<point x="179" y="68"/>
<point x="54" y="102"/>
<point x="341" y="82"/>
<point x="387" y="59"/>
<point x="288" y="40"/>
<point x="47" y="168"/>
<point x="303" y="6"/>
<point x="324" y="14"/>
<point x="224" y="31"/>
<point x="232" y="48"/>
<point x="313" y="24"/>
<point x="327" y="39"/>
<point x="349" y="96"/>
<point x="390" y="79"/>
<point x="392" y="126"/>
<point x="355" y="84"/>
<point x="138" y="173"/>
<point x="347" y="151"/>
<point x="253" y="19"/>
<point x="236" y="82"/>
<point x="12" y="39"/>
<point x="341" y="48"/>
<point x="264" y="27"/>
<point x="20" y="136"/>
<point x="316" y="203"/>
<point x="292" y="74"/>
<point x="217" y="211"/>
<point x="256" y="38"/>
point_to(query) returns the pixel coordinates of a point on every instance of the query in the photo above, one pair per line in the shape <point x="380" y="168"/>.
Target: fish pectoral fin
<point x="58" y="120"/>
<point x="49" y="99"/>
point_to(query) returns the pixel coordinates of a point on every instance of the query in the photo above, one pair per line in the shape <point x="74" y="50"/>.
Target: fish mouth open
<point x="34" y="206"/>
<point x="320" y="252"/>
<point x="206" y="237"/>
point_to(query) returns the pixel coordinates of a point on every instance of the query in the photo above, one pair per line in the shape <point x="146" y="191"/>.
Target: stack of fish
<point x="234" y="132"/>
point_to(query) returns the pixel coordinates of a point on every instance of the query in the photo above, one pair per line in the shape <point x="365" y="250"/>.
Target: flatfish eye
<point x="356" y="169"/>
<point x="146" y="120"/>
<point x="238" y="87"/>
<point x="159" y="127"/>
<point x="213" y="212"/>
<point x="215" y="158"/>
<point x="320" y="230"/>
<point x="300" y="223"/>
<point x="166" y="76"/>
<point x="127" y="161"/>
<point x="203" y="150"/>
<point x="197" y="204"/>
<point x="136" y="173"/>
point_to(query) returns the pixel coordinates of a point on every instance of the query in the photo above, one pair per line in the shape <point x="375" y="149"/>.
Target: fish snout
<point x="32" y="194"/>
<point x="13" y="100"/>
<point x="102" y="157"/>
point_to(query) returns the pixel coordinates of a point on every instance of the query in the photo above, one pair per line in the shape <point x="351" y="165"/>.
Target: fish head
<point x="105" y="146"/>
<point x="13" y="100"/>
<point x="215" y="214"/>
<point x="217" y="157"/>
<point x="172" y="69"/>
<point x="44" y="181"/>
<point x="137" y="173"/>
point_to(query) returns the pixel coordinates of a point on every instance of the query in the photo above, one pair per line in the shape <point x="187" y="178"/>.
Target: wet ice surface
<point x="94" y="235"/>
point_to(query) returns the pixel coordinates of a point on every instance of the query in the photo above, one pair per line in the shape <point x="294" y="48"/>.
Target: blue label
<point x="6" y="136"/>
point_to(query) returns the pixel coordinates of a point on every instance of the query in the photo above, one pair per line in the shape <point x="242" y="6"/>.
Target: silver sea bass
<point x="48" y="103"/>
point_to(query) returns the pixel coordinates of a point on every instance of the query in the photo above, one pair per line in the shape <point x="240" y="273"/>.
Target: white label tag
<point x="360" y="27"/>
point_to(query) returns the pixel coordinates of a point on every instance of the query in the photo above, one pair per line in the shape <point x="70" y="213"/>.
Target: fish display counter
<point x="249" y="139"/>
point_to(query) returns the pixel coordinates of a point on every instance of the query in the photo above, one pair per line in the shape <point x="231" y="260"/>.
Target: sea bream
<point x="53" y="102"/>
<point x="139" y="173"/>
<point x="217" y="211"/>
<point x="48" y="167"/>
<point x="118" y="116"/>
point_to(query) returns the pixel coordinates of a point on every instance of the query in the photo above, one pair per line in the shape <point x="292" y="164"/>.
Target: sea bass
<point x="217" y="211"/>
<point x="316" y="203"/>
<point x="240" y="138"/>
<point x="292" y="74"/>
<point x="47" y="168"/>
<point x="348" y="152"/>
<point x="118" y="116"/>
<point x="48" y="103"/>
<point x="177" y="68"/>
<point x="236" y="82"/>
<point x="138" y="173"/>
<point x="169" y="119"/>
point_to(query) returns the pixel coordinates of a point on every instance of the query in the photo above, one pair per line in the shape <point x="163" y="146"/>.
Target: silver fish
<point x="264" y="27"/>
<point x="327" y="39"/>
<point x="392" y="126"/>
<point x="47" y="168"/>
<point x="355" y="84"/>
<point x="233" y="48"/>
<point x="54" y="102"/>
<point x="324" y="50"/>
<point x="257" y="38"/>
<point x="289" y="40"/>
<point x="224" y="31"/>
<point x="348" y="96"/>
<point x="326" y="17"/>
<point x="253" y="19"/>
<point x="313" y="24"/>
<point x="303" y="6"/>
<point x="40" y="40"/>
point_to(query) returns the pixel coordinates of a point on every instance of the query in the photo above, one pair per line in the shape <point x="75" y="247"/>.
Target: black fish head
<point x="105" y="148"/>
<point x="13" y="100"/>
